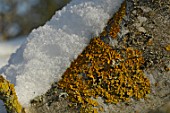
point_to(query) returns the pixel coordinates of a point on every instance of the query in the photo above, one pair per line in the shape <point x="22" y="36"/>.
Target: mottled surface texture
<point x="146" y="28"/>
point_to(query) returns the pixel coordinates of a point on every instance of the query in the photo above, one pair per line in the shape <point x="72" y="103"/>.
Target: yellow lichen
<point x="101" y="71"/>
<point x="167" y="47"/>
<point x="8" y="96"/>
<point x="114" y="22"/>
<point x="94" y="74"/>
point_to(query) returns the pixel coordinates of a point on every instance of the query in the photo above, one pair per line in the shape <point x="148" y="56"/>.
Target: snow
<point x="49" y="50"/>
<point x="6" y="49"/>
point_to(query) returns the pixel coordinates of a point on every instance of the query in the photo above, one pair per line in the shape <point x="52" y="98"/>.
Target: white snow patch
<point x="50" y="49"/>
<point x="7" y="48"/>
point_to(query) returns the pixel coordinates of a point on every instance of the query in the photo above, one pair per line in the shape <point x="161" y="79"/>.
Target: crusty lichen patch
<point x="101" y="71"/>
<point x="167" y="47"/>
<point x="114" y="23"/>
<point x="9" y="97"/>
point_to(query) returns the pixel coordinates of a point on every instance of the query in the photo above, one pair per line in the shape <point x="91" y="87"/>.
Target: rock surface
<point x="147" y="29"/>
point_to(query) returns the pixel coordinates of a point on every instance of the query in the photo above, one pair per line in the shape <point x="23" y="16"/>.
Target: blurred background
<point x="19" y="17"/>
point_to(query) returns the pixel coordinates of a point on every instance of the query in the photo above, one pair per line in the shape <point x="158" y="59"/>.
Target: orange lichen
<point x="167" y="47"/>
<point x="114" y="23"/>
<point x="101" y="71"/>
<point x="9" y="97"/>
